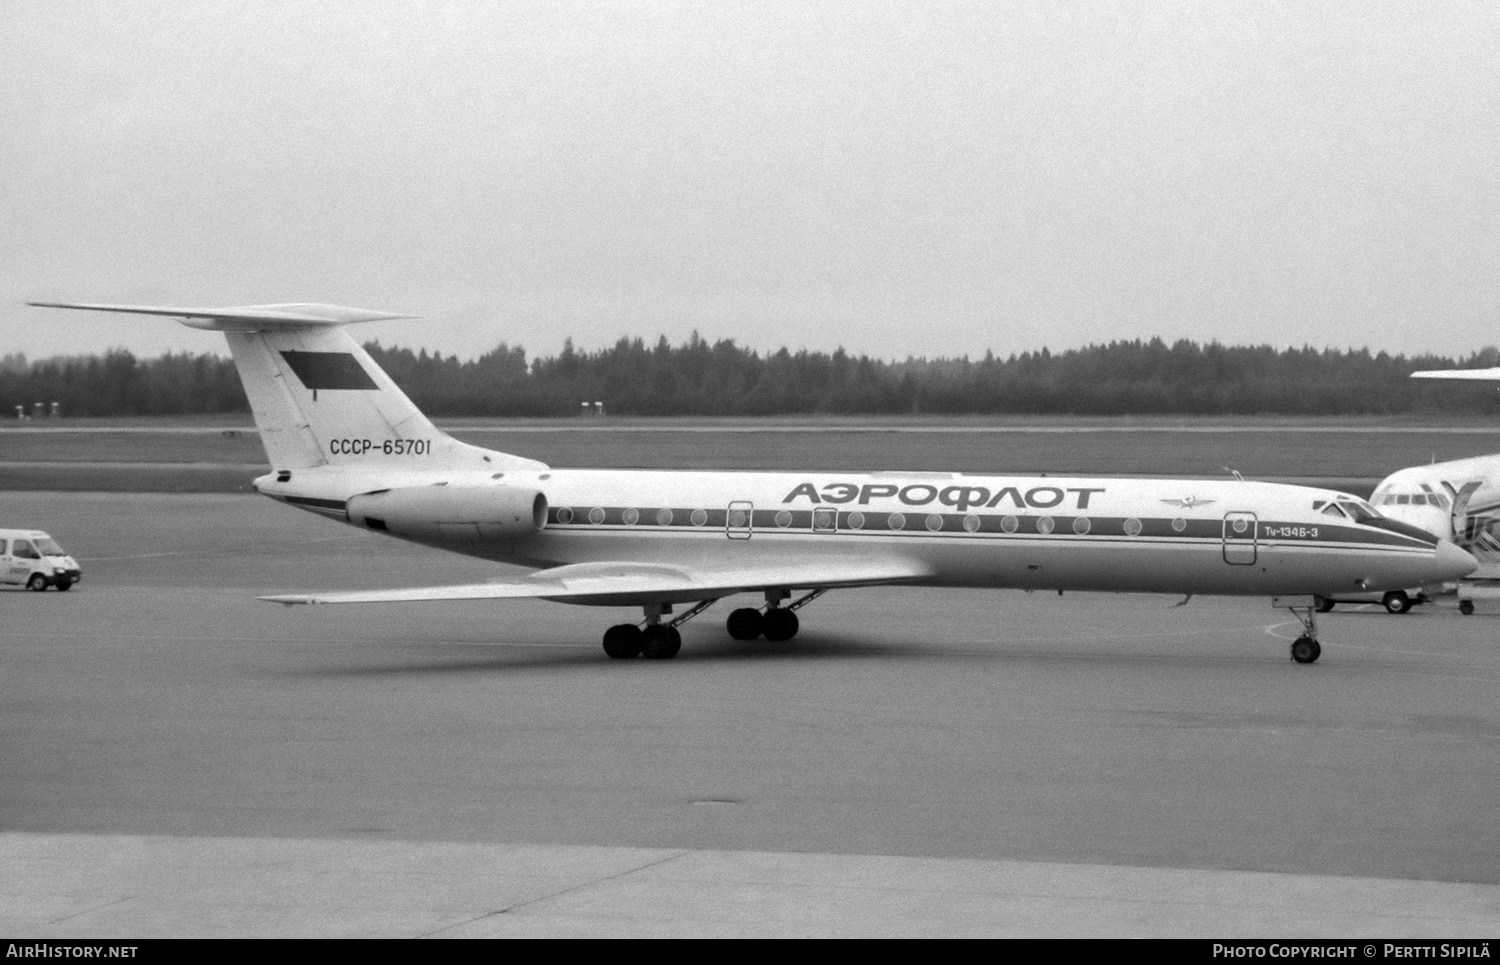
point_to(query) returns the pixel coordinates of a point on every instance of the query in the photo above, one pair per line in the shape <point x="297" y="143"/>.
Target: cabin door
<point x="737" y="522"/>
<point x="1239" y="538"/>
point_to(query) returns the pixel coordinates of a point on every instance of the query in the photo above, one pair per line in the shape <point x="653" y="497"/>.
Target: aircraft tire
<point x="1306" y="650"/>
<point x="1324" y="604"/>
<point x="660" y="642"/>
<point x="1466" y="607"/>
<point x="1396" y="601"/>
<point x="744" y="623"/>
<point x="623" y="641"/>
<point x="779" y="624"/>
<point x="37" y="583"/>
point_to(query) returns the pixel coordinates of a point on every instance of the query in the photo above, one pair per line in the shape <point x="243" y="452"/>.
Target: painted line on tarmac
<point x="805" y="429"/>
<point x="237" y="551"/>
<point x="104" y="885"/>
<point x="260" y="468"/>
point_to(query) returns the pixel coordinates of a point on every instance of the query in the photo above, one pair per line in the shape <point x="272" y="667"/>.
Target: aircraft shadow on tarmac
<point x="452" y="657"/>
<point x="509" y="657"/>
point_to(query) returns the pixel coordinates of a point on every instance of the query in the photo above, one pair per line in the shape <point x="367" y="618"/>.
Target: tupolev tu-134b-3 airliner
<point x="345" y="442"/>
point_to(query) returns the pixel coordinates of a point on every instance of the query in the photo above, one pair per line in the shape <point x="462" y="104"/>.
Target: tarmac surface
<point x="181" y="759"/>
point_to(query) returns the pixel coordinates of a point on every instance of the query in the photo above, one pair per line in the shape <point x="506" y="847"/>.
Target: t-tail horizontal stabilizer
<point x="244" y="318"/>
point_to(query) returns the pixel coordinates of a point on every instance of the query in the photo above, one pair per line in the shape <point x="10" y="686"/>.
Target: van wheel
<point x="1397" y="601"/>
<point x="38" y="582"/>
<point x="64" y="586"/>
<point x="1323" y="604"/>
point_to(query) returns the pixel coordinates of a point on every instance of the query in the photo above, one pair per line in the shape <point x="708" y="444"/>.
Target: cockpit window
<point x="1332" y="509"/>
<point x="1359" y="510"/>
<point x="1411" y="499"/>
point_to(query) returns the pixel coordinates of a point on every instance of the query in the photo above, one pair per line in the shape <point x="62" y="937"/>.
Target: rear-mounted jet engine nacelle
<point x="451" y="512"/>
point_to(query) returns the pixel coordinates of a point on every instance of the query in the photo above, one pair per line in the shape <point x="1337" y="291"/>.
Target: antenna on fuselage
<point x="1233" y="472"/>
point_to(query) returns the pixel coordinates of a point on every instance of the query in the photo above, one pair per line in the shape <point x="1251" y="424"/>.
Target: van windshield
<point x="49" y="547"/>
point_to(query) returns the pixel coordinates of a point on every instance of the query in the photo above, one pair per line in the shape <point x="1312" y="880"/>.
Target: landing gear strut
<point x="652" y="638"/>
<point x="1306" y="648"/>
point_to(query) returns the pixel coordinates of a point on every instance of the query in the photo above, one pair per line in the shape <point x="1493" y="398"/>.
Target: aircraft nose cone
<point x="1450" y="562"/>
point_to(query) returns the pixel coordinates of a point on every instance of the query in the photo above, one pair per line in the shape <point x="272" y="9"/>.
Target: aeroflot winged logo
<point x="959" y="497"/>
<point x="329" y="370"/>
<point x="1188" y="502"/>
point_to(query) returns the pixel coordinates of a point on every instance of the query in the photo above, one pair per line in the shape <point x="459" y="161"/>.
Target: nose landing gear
<point x="1306" y="648"/>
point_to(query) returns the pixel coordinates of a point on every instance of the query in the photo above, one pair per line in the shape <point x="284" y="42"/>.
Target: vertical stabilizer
<point x="319" y="399"/>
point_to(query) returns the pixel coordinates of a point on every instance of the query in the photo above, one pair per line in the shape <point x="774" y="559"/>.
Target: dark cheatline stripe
<point x="308" y="501"/>
<point x="329" y="370"/>
<point x="916" y="522"/>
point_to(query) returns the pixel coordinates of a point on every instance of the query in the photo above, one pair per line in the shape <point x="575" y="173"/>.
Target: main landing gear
<point x="652" y="639"/>
<point x="656" y="639"/>
<point x="1306" y="648"/>
<point x="775" y="622"/>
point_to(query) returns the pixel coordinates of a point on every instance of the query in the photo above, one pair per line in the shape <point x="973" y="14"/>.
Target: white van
<point x="1395" y="601"/>
<point x="31" y="558"/>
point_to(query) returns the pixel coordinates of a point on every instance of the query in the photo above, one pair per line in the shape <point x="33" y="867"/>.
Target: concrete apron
<point x="126" y="886"/>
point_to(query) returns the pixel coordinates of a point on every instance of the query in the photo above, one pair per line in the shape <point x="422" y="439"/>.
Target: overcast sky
<point x="896" y="178"/>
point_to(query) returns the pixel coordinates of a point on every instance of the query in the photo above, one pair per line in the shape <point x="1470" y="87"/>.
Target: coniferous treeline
<point x="722" y="378"/>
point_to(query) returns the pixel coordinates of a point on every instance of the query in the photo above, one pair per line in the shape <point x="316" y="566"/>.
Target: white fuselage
<point x="1424" y="496"/>
<point x="1026" y="532"/>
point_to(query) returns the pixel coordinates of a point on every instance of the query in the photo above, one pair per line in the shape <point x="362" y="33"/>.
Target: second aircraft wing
<point x="1476" y="375"/>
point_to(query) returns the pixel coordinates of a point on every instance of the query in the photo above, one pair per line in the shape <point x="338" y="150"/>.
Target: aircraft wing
<point x="630" y="584"/>
<point x="1476" y="375"/>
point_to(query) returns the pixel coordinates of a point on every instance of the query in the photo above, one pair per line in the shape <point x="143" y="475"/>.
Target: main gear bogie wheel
<point x="745" y="623"/>
<point x="779" y="624"/>
<point x="623" y="642"/>
<point x="660" y="642"/>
